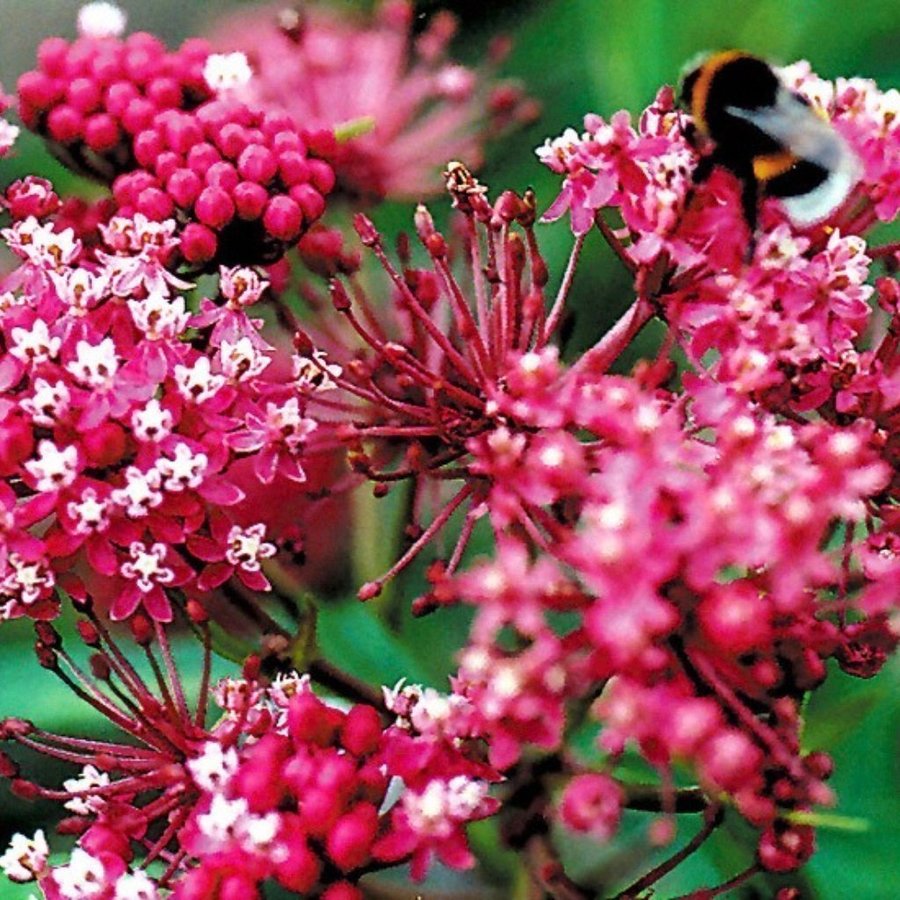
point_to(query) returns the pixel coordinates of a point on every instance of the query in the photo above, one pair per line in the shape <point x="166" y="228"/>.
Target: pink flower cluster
<point x="414" y="107"/>
<point x="677" y="555"/>
<point x="91" y="97"/>
<point x="645" y="174"/>
<point x="246" y="183"/>
<point x="284" y="789"/>
<point x="692" y="560"/>
<point x="121" y="440"/>
<point x="691" y="534"/>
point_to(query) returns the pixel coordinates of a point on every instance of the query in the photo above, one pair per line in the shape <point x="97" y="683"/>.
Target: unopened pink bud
<point x="283" y="218"/>
<point x="198" y="243"/>
<point x="214" y="207"/>
<point x="184" y="186"/>
<point x="65" y="124"/>
<point x="350" y="841"/>
<point x="257" y="163"/>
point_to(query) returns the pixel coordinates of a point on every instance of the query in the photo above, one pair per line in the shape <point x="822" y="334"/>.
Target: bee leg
<point x="701" y="174"/>
<point x="704" y="169"/>
<point x="750" y="209"/>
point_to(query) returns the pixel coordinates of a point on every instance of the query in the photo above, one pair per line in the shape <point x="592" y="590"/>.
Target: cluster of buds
<point x="414" y="108"/>
<point x="92" y="96"/>
<point x="122" y="438"/>
<point x="284" y="789"/>
<point x="248" y="184"/>
<point x="243" y="184"/>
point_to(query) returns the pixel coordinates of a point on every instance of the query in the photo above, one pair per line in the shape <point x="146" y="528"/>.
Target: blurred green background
<point x="576" y="56"/>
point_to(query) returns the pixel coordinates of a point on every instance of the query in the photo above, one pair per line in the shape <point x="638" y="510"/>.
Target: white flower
<point x="246" y="547"/>
<point x="35" y="346"/>
<point x="153" y="422"/>
<point x="241" y="360"/>
<point x="25" y="858"/>
<point x="220" y="823"/>
<point x="286" y="686"/>
<point x="197" y="383"/>
<point x="241" y="286"/>
<point x="159" y="316"/>
<point x="89" y="514"/>
<point x="146" y="566"/>
<point x="315" y="373"/>
<point x="8" y="135"/>
<point x="226" y="71"/>
<point x="90" y="777"/>
<point x="82" y="878"/>
<point x="286" y="422"/>
<point x="80" y="289"/>
<point x="186" y="470"/>
<point x="437" y="809"/>
<point x="95" y="365"/>
<point x="213" y="768"/>
<point x="55" y="469"/>
<point x="101" y="20"/>
<point x="26" y="581"/>
<point x="141" y="492"/>
<point x="49" y="403"/>
<point x="135" y="886"/>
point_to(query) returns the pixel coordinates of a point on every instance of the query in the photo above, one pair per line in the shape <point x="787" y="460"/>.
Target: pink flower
<point x="231" y="550"/>
<point x="244" y="184"/>
<point x="148" y="570"/>
<point x="413" y="107"/>
<point x="279" y="438"/>
<point x="592" y="804"/>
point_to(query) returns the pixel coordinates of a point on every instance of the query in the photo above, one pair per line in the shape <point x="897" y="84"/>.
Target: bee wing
<point x="797" y="127"/>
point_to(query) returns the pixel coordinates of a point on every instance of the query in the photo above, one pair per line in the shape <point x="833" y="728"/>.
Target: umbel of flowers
<point x="242" y="183"/>
<point x="676" y="555"/>
<point x="282" y="787"/>
<point x="412" y="107"/>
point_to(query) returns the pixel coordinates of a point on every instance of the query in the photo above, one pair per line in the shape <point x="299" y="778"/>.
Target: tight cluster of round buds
<point x="90" y="97"/>
<point x="247" y="184"/>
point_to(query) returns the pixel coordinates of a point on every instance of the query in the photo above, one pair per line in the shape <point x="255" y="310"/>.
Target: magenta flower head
<point x="120" y="436"/>
<point x="283" y="789"/>
<point x="166" y="132"/>
<point x="415" y="107"/>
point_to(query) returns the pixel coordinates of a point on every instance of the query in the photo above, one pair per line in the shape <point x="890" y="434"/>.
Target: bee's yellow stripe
<point x="771" y="165"/>
<point x="700" y="93"/>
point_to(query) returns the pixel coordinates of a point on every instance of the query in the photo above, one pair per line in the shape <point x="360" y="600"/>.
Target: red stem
<point x="712" y="817"/>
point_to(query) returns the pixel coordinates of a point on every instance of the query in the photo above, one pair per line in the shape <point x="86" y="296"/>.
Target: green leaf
<point x="353" y="638"/>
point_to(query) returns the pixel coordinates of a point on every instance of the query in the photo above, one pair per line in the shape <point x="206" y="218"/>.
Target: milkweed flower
<point x="243" y="184"/>
<point x="8" y="131"/>
<point x="684" y="534"/>
<point x="283" y="788"/>
<point x="123" y="416"/>
<point x="416" y="107"/>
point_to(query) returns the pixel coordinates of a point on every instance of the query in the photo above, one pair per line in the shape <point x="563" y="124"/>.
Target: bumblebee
<point x="769" y="137"/>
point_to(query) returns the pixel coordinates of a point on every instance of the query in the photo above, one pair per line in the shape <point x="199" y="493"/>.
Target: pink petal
<point x="221" y="492"/>
<point x="101" y="555"/>
<point x="204" y="548"/>
<point x="256" y="581"/>
<point x="266" y="464"/>
<point x="157" y="605"/>
<point x="214" y="575"/>
<point x="126" y="603"/>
